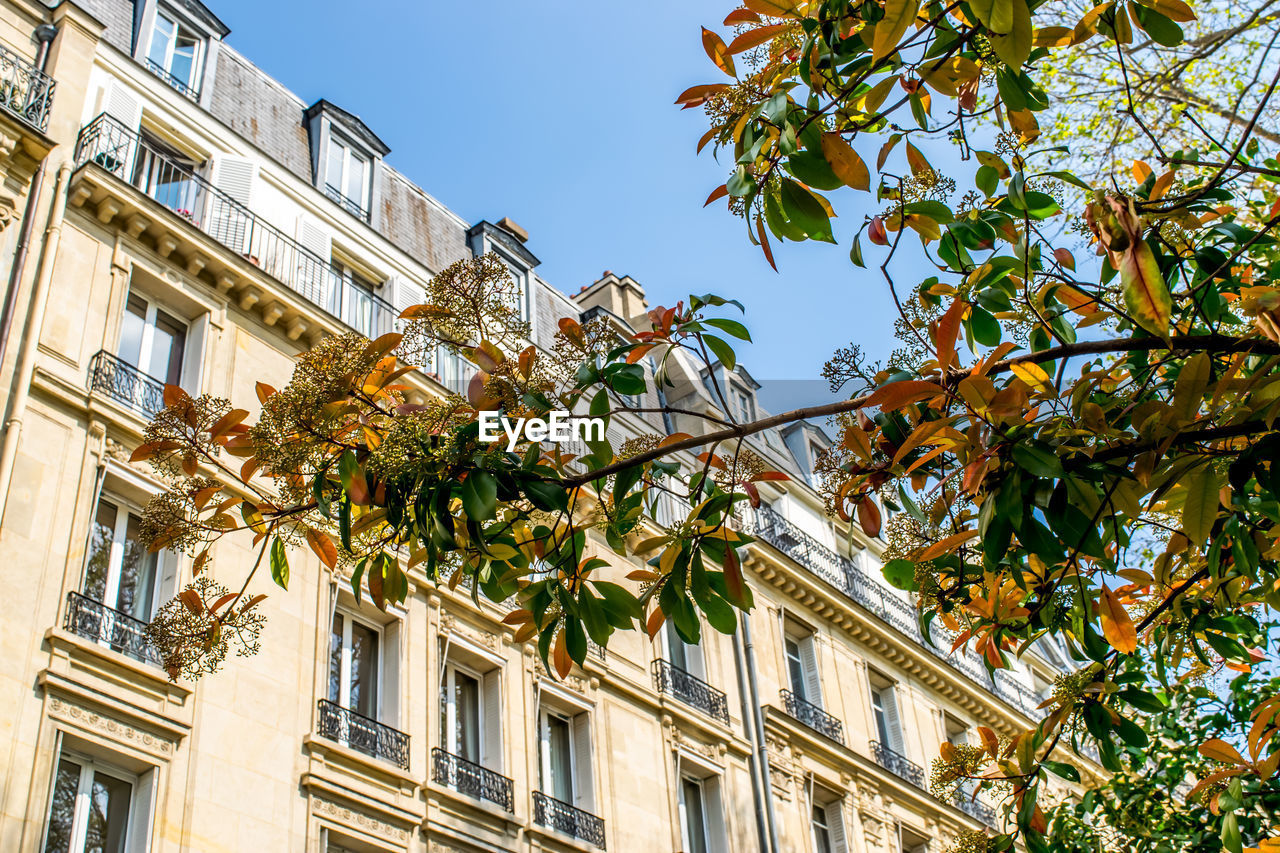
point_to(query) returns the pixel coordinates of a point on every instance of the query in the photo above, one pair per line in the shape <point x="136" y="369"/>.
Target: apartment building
<point x="170" y="214"/>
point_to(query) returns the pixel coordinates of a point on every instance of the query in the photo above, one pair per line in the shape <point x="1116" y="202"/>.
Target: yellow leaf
<point x="898" y="15"/>
<point x="1014" y="48"/>
<point x="1141" y="171"/>
<point x="1173" y="9"/>
<point x="1200" y="508"/>
<point x="1117" y="627"/>
<point x="1032" y="374"/>
<point x="1146" y="296"/>
<point x="715" y="48"/>
<point x="995" y="15"/>
<point x="1220" y="750"/>
<point x="845" y="162"/>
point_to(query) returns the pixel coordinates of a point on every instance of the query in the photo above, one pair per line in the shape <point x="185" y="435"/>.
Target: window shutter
<point x="712" y="803"/>
<point x="389" y="689"/>
<point x="141" y="808"/>
<point x="584" y="786"/>
<point x="312" y="267"/>
<point x="122" y="105"/>
<point x="892" y="720"/>
<point x="492" y="747"/>
<point x="403" y="293"/>
<point x="167" y="586"/>
<point x="809" y="662"/>
<point x="228" y="223"/>
<point x="193" y="355"/>
<point x="835" y="826"/>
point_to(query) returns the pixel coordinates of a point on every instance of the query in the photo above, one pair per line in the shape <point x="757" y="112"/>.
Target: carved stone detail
<point x="8" y="211"/>
<point x="366" y="822"/>
<point x="452" y="625"/>
<point x="576" y="683"/>
<point x="108" y="726"/>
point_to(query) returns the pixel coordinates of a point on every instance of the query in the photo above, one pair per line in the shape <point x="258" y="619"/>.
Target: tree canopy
<point x="1077" y="431"/>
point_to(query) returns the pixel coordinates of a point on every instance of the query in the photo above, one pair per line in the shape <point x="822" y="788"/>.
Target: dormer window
<point x="744" y="407"/>
<point x="174" y="43"/>
<point x="346" y="177"/>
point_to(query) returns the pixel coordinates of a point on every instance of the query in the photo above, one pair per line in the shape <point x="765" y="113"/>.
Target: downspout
<point x="30" y="338"/>
<point x="748" y="728"/>
<point x="762" y="749"/>
<point x="44" y="34"/>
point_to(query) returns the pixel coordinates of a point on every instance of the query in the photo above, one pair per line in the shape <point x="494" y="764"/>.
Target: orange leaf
<point x="673" y="438"/>
<point x="946" y="545"/>
<point x="1220" y="750"/>
<point x="264" y="391"/>
<point x="323" y="546"/>
<point x="697" y="95"/>
<point x="716" y="194"/>
<point x="715" y="48"/>
<point x="916" y="160"/>
<point x="845" y="162"/>
<point x="1117" y="627"/>
<point x="755" y="38"/>
<point x="1141" y="171"/>
<point x="869" y="517"/>
<point x="772" y="8"/>
<point x="654" y="623"/>
<point x="895" y="395"/>
<point x="560" y="655"/>
<point x="948" y="329"/>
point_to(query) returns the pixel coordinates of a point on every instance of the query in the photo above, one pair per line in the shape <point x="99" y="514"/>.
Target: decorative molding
<point x="452" y="625"/>
<point x="108" y="726"/>
<point x="342" y="814"/>
<point x="576" y="683"/>
<point x="8" y="211"/>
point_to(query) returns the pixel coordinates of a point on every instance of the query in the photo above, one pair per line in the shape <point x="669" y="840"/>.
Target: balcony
<point x="117" y="169"/>
<point x="812" y="716"/>
<point x="363" y="734"/>
<point x="125" y="383"/>
<point x="974" y="808"/>
<point x="95" y="621"/>
<point x="181" y="86"/>
<point x="897" y="764"/>
<point x="350" y="205"/>
<point x="854" y="583"/>
<point x="691" y="690"/>
<point x="25" y="91"/>
<point x="469" y="778"/>
<point x="560" y="816"/>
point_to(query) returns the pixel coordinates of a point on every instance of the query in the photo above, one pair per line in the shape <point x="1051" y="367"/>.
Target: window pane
<point x="882" y="723"/>
<point x="161" y="38"/>
<point x="821" y="833"/>
<point x="561" y="758"/>
<point x="62" y="809"/>
<point x="357" y="169"/>
<point x="795" y="669"/>
<point x="137" y="574"/>
<point x="108" y="814"/>
<point x="466" y="693"/>
<point x="167" y="342"/>
<point x="679" y="654"/>
<point x="135" y="320"/>
<point x="100" y="538"/>
<point x="184" y="57"/>
<point x="335" y="660"/>
<point x="364" y="672"/>
<point x="337" y="157"/>
<point x="694" y="820"/>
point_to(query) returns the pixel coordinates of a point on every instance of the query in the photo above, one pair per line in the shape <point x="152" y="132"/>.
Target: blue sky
<point x="560" y="115"/>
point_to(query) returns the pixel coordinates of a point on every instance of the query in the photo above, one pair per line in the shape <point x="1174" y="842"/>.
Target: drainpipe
<point x="748" y="728"/>
<point x="30" y="338"/>
<point x="44" y="34"/>
<point x="762" y="749"/>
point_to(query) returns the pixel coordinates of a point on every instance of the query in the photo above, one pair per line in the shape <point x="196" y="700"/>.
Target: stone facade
<point x="127" y="233"/>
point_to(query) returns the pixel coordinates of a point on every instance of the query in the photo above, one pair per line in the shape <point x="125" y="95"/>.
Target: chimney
<point x="509" y="225"/>
<point x="623" y="296"/>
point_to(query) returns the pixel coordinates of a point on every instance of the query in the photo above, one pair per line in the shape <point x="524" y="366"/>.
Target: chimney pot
<point x="506" y="223"/>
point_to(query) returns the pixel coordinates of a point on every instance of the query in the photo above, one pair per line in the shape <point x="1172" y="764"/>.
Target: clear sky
<point x="560" y="115"/>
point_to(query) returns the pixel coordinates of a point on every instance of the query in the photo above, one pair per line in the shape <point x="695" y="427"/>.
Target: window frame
<point x="686" y="831"/>
<point x="125" y="509"/>
<point x="146" y="343"/>
<point x="893" y="737"/>
<point x="344" y="666"/>
<point x="180" y="23"/>
<point x="449" y="740"/>
<point x="90" y="766"/>
<point x="350" y="152"/>
<point x="806" y="659"/>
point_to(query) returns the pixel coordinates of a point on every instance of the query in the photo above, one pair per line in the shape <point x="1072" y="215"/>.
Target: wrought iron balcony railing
<point x="25" y="91"/>
<point x="813" y="716"/>
<point x="181" y="85"/>
<point x="974" y="808"/>
<point x="691" y="690"/>
<point x="363" y="734"/>
<point x="550" y="812"/>
<point x="897" y="764"/>
<point x="347" y="203"/>
<point x="853" y="581"/>
<point x="95" y="621"/>
<point x="467" y="777"/>
<point x="124" y="383"/>
<point x="122" y="152"/>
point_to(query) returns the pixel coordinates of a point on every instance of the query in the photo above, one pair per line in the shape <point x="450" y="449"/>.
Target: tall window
<point x="685" y="656"/>
<point x="565" y="745"/>
<point x="121" y="572"/>
<point x="347" y="177"/>
<point x="175" y="49"/>
<point x="741" y="400"/>
<point x="353" y="665"/>
<point x="92" y="810"/>
<point x="152" y="340"/>
<point x="693" y="815"/>
<point x="884" y="710"/>
<point x="352" y="301"/>
<point x="470" y="715"/>
<point x="827" y="825"/>
<point x="802" y="669"/>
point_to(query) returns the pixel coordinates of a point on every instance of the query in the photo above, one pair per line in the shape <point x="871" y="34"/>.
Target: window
<point x="175" y="50"/>
<point x="693" y="816"/>
<point x="167" y="175"/>
<point x="827" y="824"/>
<point x="354" y="665"/>
<point x="565" y="767"/>
<point x="347" y="177"/>
<point x="121" y="572"/>
<point x="470" y="715"/>
<point x="802" y="669"/>
<point x="95" y="808"/>
<point x="352" y="301"/>
<point x="683" y="656"/>
<point x="740" y="399"/>
<point x="910" y="841"/>
<point x="702" y="828"/>
<point x="884" y="711"/>
<point x="152" y="340"/>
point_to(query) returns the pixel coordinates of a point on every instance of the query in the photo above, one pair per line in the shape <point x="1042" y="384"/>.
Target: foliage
<point x="1083" y="448"/>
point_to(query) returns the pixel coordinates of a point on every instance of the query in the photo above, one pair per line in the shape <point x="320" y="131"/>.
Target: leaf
<point x="895" y="395"/>
<point x="264" y="391"/>
<point x="995" y="15"/>
<point x="772" y="8"/>
<point x="560" y="655"/>
<point x="755" y="37"/>
<point x="715" y="48"/>
<point x="697" y="95"/>
<point x="1117" y="627"/>
<point x="845" y="162"/>
<point x="1200" y="509"/>
<point x="1146" y="296"/>
<point x="917" y="161"/>
<point x="279" y="564"/>
<point x="805" y="211"/>
<point x="1015" y="48"/>
<point x="901" y="574"/>
<point x="480" y="495"/>
<point x="869" y="517"/>
<point x="323" y="546"/>
<point x="898" y="15"/>
<point x="1219" y="750"/>
<point x="946" y="545"/>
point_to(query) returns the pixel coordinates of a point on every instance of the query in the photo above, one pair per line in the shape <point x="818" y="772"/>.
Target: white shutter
<point x="492" y="722"/>
<point x="228" y="223"/>
<point x="122" y="105"/>
<point x="310" y="273"/>
<point x="809" y="663"/>
<point x="141" y="808"/>
<point x="390" y="687"/>
<point x="835" y="826"/>
<point x="584" y="786"/>
<point x="167" y="583"/>
<point x="892" y="720"/>
<point x="193" y="355"/>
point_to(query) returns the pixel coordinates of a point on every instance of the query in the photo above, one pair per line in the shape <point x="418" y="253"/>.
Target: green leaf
<point x="804" y="211"/>
<point x="480" y="495"/>
<point x="722" y="351"/>
<point x="1061" y="768"/>
<point x="1161" y="29"/>
<point x="1200" y="509"/>
<point x="732" y="327"/>
<point x="1037" y="460"/>
<point x="279" y="564"/>
<point x="995" y="15"/>
<point x="986" y="329"/>
<point x="901" y="574"/>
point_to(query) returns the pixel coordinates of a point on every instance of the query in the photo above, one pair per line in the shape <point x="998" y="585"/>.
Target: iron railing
<point x="974" y="808"/>
<point x="558" y="815"/>
<point x="181" y="85"/>
<point x="347" y="203"/>
<point x="813" y="716"/>
<point x="853" y="581"/>
<point x="122" y="152"/>
<point x="689" y="689"/>
<point x="467" y="777"/>
<point x="897" y="763"/>
<point x="124" y="383"/>
<point x="25" y="91"/>
<point x="95" y="621"/>
<point x="363" y="734"/>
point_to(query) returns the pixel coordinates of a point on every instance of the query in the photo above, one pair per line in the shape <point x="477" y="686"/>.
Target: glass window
<point x="694" y="815"/>
<point x="152" y="340"/>
<point x="352" y="301"/>
<point x="121" y="572"/>
<point x="460" y="703"/>
<point x="353" y="665"/>
<point x="879" y="709"/>
<point x="90" y="809"/>
<point x="795" y="668"/>
<point x="346" y="176"/>
<point x="821" y="831"/>
<point x="175" y="49"/>
<point x="557" y="740"/>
